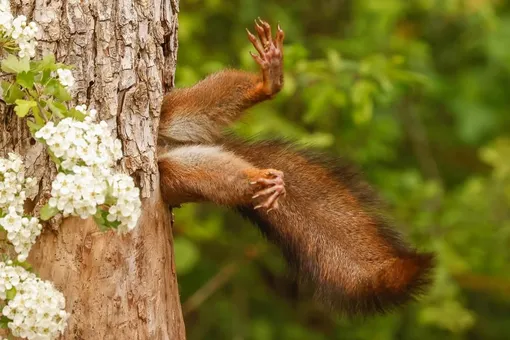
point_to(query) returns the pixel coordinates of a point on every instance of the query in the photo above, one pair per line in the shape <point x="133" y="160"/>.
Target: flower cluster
<point x="81" y="143"/>
<point x="36" y="311"/>
<point x="21" y="231"/>
<point x="13" y="184"/>
<point x="127" y="208"/>
<point x="87" y="154"/>
<point x="18" y="29"/>
<point x="78" y="193"/>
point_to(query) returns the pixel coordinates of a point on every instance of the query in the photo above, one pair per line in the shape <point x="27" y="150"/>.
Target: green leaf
<point x="33" y="93"/>
<point x="103" y="223"/>
<point x="57" y="108"/>
<point x="12" y="64"/>
<point x="26" y="79"/>
<point x="12" y="92"/>
<point x="100" y="219"/>
<point x="78" y="115"/>
<point x="25" y="265"/>
<point x="63" y="94"/>
<point x="48" y="212"/>
<point x="45" y="76"/>
<point x="4" y="321"/>
<point x="10" y="294"/>
<point x="23" y="106"/>
<point x="46" y="65"/>
<point x="186" y="255"/>
<point x="53" y="157"/>
<point x="48" y="60"/>
<point x="39" y="120"/>
<point x="34" y="127"/>
<point x="51" y="87"/>
<point x="55" y="89"/>
<point x="112" y="225"/>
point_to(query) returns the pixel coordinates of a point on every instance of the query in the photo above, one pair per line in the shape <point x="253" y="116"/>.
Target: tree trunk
<point x="124" y="52"/>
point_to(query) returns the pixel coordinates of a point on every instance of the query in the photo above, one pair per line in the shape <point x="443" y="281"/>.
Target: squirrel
<point x="325" y="219"/>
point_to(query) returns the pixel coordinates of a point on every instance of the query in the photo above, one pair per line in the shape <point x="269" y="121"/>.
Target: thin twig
<point x="204" y="292"/>
<point x="226" y="273"/>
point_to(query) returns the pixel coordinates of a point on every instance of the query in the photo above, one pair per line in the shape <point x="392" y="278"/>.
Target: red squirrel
<point x="324" y="218"/>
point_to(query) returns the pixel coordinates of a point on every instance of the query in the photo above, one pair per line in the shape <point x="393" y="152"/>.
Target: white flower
<point x="37" y="310"/>
<point x="18" y="30"/>
<point x="127" y="208"/>
<point x="81" y="143"/>
<point x="5" y="19"/>
<point x="65" y="77"/>
<point x="5" y="6"/>
<point x="86" y="155"/>
<point x="13" y="184"/>
<point x="79" y="193"/>
<point x="46" y="131"/>
<point x="11" y="221"/>
<point x="21" y="231"/>
<point x="18" y="24"/>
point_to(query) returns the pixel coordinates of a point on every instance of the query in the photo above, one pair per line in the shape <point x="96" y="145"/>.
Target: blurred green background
<point x="417" y="94"/>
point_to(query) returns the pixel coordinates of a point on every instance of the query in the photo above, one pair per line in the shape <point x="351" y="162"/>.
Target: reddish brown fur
<point x="330" y="229"/>
<point x="329" y="224"/>
<point x="194" y="173"/>
<point x="212" y="106"/>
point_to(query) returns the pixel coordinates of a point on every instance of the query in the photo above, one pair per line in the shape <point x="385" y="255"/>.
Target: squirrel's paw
<point x="273" y="187"/>
<point x="270" y="55"/>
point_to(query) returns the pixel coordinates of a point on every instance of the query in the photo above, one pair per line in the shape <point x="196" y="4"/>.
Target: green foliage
<point x="34" y="91"/>
<point x="415" y="93"/>
<point x="100" y="217"/>
<point x="47" y="212"/>
<point x="10" y="294"/>
<point x="23" y="106"/>
<point x="13" y="64"/>
<point x="4" y="321"/>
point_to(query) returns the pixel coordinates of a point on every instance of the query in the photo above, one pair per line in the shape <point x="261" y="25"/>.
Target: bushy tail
<point x="397" y="283"/>
<point x="331" y="232"/>
<point x="350" y="286"/>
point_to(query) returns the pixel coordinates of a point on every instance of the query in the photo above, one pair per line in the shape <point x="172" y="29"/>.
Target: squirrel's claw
<point x="273" y="186"/>
<point x="269" y="55"/>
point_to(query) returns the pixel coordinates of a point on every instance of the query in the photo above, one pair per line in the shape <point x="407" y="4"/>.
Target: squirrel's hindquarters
<point x="331" y="233"/>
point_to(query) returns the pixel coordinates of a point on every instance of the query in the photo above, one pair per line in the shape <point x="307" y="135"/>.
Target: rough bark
<point x="124" y="52"/>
